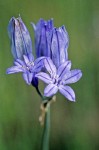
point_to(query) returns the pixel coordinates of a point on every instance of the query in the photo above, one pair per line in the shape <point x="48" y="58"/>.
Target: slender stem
<point x="46" y="131"/>
<point x="38" y="91"/>
<point x="44" y="98"/>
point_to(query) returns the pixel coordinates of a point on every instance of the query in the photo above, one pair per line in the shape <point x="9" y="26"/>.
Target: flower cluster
<point x="51" y="65"/>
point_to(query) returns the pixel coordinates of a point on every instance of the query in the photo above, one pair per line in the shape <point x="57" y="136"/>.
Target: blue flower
<point x="28" y="67"/>
<point x="21" y="43"/>
<point x="58" y="79"/>
<point x="43" y="32"/>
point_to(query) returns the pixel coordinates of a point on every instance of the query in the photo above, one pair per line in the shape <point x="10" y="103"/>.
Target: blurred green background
<point x="74" y="126"/>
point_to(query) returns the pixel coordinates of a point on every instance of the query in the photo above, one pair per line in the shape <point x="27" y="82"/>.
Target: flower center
<point x="55" y="79"/>
<point x="29" y="66"/>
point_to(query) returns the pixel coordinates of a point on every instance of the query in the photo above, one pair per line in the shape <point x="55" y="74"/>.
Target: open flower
<point x="28" y="67"/>
<point x="58" y="79"/>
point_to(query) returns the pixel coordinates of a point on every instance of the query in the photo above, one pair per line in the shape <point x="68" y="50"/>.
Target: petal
<point x="72" y="76"/>
<point x="11" y="33"/>
<point x="59" y="45"/>
<point x="50" y="67"/>
<point x="27" y="42"/>
<point x="66" y="38"/>
<point x="30" y="57"/>
<point x="55" y="48"/>
<point x="28" y="77"/>
<point x="43" y="30"/>
<point x="64" y="68"/>
<point x="50" y="90"/>
<point x="39" y="60"/>
<point x="25" y="77"/>
<point x="38" y="64"/>
<point x="26" y="59"/>
<point x="14" y="69"/>
<point x="42" y="45"/>
<point x="67" y="92"/>
<point x="63" y="44"/>
<point x="37" y="68"/>
<point x="17" y="64"/>
<point x="44" y="77"/>
<point x="22" y="63"/>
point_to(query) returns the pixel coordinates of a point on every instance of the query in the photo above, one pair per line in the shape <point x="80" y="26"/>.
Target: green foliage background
<point x="74" y="126"/>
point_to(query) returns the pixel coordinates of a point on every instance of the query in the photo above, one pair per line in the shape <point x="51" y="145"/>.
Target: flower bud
<point x="59" y="46"/>
<point x="21" y="43"/>
<point x="43" y="31"/>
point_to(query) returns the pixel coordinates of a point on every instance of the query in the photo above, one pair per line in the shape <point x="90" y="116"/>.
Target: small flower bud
<point x="59" y="46"/>
<point x="21" y="43"/>
<point x="43" y="30"/>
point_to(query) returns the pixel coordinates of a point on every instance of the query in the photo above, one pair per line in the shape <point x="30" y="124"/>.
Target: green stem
<point x="46" y="131"/>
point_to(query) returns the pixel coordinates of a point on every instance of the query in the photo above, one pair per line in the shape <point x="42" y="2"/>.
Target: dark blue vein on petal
<point x="40" y="60"/>
<point x="58" y="47"/>
<point x="43" y="77"/>
<point x="68" y="93"/>
<point x="73" y="76"/>
<point x="49" y="65"/>
<point x="50" y="90"/>
<point x="64" y="69"/>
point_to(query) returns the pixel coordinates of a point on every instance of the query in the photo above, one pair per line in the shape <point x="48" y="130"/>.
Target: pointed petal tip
<point x="72" y="99"/>
<point x="68" y="92"/>
<point x="73" y="76"/>
<point x="79" y="73"/>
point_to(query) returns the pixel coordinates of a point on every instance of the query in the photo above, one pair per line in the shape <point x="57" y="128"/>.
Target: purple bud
<point x="43" y="32"/>
<point x="59" y="46"/>
<point x="21" y="43"/>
